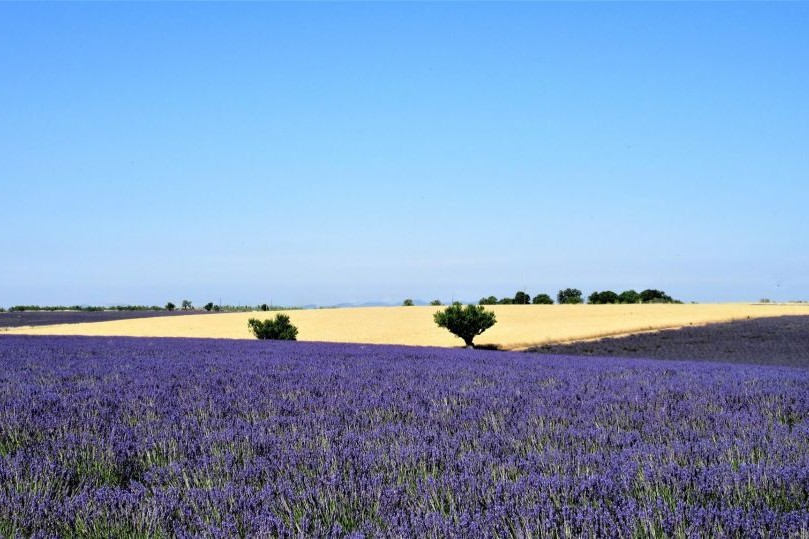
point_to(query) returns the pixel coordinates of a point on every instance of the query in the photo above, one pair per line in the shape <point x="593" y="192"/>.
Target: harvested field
<point x="780" y="340"/>
<point x="519" y="326"/>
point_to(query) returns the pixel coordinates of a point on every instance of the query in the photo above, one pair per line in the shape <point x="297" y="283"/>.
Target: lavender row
<point x="48" y="318"/>
<point x="781" y="340"/>
<point x="172" y="437"/>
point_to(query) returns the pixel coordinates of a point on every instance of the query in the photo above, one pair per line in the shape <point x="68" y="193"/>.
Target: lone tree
<point x="187" y="305"/>
<point x="170" y="306"/>
<point x="408" y="302"/>
<point x="465" y="322"/>
<point x="280" y="328"/>
<point x="436" y="302"/>
<point x="209" y="306"/>
<point x="570" y="296"/>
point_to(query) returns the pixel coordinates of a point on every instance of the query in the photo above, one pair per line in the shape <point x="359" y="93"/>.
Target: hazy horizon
<point x="352" y="152"/>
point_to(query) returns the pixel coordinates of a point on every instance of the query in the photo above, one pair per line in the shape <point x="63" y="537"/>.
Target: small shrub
<point x="465" y="322"/>
<point x="279" y="329"/>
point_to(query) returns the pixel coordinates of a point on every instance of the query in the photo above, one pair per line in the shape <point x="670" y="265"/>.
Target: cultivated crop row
<point x="179" y="437"/>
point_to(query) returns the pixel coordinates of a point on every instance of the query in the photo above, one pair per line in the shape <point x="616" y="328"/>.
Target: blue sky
<point x="326" y="153"/>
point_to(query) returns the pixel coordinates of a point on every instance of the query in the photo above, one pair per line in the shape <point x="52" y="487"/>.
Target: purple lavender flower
<point x="216" y="438"/>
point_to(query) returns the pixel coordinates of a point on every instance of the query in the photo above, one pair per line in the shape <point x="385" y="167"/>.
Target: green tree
<point x="280" y="328"/>
<point x="542" y="299"/>
<point x="187" y="305"/>
<point x="408" y="302"/>
<point x="521" y="298"/>
<point x="569" y="296"/>
<point x="209" y="306"/>
<point x="435" y="302"/>
<point x="465" y="322"/>
<point x="170" y="306"/>
<point x="655" y="296"/>
<point x="629" y="296"/>
<point x="263" y="307"/>
<point x="491" y="300"/>
<point x="603" y="298"/>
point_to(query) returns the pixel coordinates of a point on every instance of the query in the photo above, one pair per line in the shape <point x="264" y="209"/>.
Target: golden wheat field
<point x="518" y="326"/>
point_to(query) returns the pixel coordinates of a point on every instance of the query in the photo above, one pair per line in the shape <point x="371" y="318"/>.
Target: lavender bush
<point x="117" y="437"/>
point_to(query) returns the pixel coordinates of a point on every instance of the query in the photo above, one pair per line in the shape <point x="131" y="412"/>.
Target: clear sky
<point x="326" y="153"/>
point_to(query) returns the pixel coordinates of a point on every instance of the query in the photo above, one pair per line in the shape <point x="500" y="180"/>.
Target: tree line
<point x="573" y="296"/>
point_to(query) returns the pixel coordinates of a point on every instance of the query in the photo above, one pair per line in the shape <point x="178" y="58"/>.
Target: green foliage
<point x="209" y="306"/>
<point x="521" y="298"/>
<point x="170" y="306"/>
<point x="280" y="328"/>
<point x="187" y="305"/>
<point x="491" y="300"/>
<point x="216" y="308"/>
<point x="542" y="299"/>
<point x="603" y="298"/>
<point x="435" y="302"/>
<point x="505" y="301"/>
<point x="629" y="296"/>
<point x="569" y="296"/>
<point x="655" y="296"/>
<point x="408" y="302"/>
<point x="465" y="322"/>
<point x="264" y="307"/>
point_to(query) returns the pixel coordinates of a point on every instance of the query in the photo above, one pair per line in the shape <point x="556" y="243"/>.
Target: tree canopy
<point x="465" y="322"/>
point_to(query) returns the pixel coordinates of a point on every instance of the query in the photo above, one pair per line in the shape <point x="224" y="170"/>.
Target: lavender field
<point x="47" y="318"/>
<point x="781" y="340"/>
<point x="114" y="437"/>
